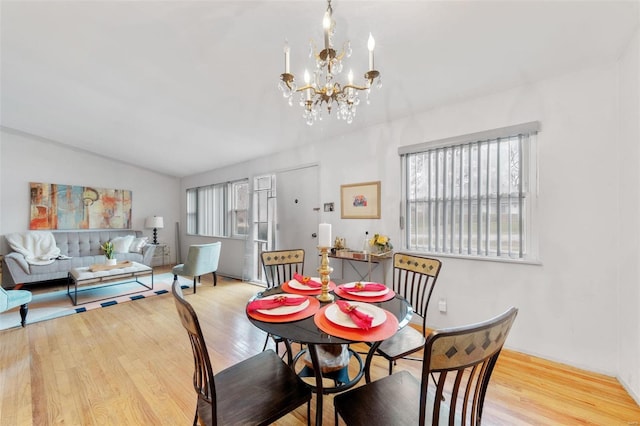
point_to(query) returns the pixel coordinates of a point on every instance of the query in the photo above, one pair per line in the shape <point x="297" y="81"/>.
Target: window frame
<point x="223" y="210"/>
<point x="235" y="211"/>
<point x="529" y="174"/>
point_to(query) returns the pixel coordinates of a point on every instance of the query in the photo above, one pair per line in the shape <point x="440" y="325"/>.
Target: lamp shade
<point x="154" y="222"/>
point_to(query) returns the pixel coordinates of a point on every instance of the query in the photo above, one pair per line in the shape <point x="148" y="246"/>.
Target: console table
<point x="355" y="258"/>
<point x="101" y="273"/>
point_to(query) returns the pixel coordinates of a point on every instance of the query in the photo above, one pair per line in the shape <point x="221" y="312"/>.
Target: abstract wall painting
<point x="57" y="206"/>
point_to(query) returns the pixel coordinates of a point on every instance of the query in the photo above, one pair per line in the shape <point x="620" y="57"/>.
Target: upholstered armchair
<point x="12" y="298"/>
<point x="202" y="259"/>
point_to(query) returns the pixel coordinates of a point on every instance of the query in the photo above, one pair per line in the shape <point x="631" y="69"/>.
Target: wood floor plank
<point x="132" y="364"/>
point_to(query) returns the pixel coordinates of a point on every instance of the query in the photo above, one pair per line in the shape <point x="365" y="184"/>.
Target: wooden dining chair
<point x="414" y="278"/>
<point x="461" y="358"/>
<point x="279" y="267"/>
<point x="256" y="391"/>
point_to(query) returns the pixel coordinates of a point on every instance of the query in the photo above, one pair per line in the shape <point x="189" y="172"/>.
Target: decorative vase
<point x="379" y="250"/>
<point x="111" y="262"/>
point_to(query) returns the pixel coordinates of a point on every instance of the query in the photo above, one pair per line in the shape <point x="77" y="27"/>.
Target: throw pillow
<point x="122" y="244"/>
<point x="137" y="244"/>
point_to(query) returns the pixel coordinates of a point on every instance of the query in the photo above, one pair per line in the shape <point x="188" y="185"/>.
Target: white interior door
<point x="297" y="213"/>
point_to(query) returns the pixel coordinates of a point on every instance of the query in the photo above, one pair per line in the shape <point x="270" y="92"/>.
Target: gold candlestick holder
<point x="325" y="270"/>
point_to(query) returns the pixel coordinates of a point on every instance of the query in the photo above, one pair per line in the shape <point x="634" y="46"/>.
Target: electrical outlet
<point x="442" y="305"/>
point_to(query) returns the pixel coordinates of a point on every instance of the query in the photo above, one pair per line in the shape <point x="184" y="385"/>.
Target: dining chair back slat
<point x="415" y="278"/>
<point x="203" y="378"/>
<point x="272" y="388"/>
<point x="280" y="265"/>
<point x="460" y="360"/>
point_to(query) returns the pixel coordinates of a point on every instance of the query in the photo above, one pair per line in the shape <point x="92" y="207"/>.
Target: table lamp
<point x="154" y="222"/>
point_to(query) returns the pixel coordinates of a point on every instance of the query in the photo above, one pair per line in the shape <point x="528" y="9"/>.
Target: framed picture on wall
<point x="360" y="200"/>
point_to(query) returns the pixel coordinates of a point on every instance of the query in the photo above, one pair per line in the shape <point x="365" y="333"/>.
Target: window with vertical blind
<point x="472" y="195"/>
<point x="218" y="210"/>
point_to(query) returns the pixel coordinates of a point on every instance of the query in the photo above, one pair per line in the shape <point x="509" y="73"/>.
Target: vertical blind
<point x="469" y="198"/>
<point x="218" y="210"/>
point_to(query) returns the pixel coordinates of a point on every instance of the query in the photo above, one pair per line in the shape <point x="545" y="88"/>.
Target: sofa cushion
<point x="137" y="244"/>
<point x="122" y="244"/>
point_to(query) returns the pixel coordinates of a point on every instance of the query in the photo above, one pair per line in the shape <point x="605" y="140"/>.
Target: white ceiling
<point x="189" y="86"/>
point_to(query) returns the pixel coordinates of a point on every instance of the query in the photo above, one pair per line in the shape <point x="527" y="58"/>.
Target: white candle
<point x="307" y="80"/>
<point x="324" y="235"/>
<point x="371" y="44"/>
<point x="286" y="56"/>
<point x="326" y="25"/>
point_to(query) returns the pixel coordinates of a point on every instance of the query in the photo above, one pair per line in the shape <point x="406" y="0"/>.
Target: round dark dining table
<point x="305" y="331"/>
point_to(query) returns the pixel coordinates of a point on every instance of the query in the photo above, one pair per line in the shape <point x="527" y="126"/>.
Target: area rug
<point x="48" y="305"/>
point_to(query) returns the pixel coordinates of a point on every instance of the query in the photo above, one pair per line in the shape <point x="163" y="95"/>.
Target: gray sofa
<point x="83" y="248"/>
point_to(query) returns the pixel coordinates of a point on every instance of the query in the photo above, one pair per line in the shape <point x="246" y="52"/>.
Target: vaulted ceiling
<point x="189" y="86"/>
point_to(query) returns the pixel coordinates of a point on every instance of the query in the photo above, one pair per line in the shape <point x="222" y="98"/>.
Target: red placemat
<point x="351" y="296"/>
<point x="381" y="332"/>
<point x="314" y="305"/>
<point x="287" y="288"/>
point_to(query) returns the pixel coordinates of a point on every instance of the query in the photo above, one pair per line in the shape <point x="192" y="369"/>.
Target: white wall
<point x="232" y="253"/>
<point x="24" y="159"/>
<point x="568" y="303"/>
<point x="628" y="297"/>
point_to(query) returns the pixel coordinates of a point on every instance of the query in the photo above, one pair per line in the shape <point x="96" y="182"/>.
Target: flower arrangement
<point x="381" y="243"/>
<point x="108" y="249"/>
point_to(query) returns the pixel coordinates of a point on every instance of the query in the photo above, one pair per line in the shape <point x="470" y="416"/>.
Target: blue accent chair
<point x="202" y="259"/>
<point x="9" y="299"/>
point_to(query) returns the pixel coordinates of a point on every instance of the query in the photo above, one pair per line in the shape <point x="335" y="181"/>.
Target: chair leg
<point x="194" y="285"/>
<point x="390" y="367"/>
<point x="289" y="352"/>
<point x="23" y="313"/>
<point x="215" y="279"/>
<point x="195" y="419"/>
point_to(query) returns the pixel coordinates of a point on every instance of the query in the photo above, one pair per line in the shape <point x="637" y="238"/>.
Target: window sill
<point x="534" y="262"/>
<point x="241" y="238"/>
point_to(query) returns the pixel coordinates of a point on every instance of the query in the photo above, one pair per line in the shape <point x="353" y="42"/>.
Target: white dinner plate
<point x="336" y="316"/>
<point x="348" y="286"/>
<point x="299" y="286"/>
<point x="284" y="310"/>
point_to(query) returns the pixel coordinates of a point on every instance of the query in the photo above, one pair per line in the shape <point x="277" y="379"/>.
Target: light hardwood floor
<point x="131" y="364"/>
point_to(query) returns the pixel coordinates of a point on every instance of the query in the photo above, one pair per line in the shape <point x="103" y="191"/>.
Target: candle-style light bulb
<point x="287" y="51"/>
<point x="326" y="25"/>
<point x="371" y="44"/>
<point x="307" y="79"/>
<point x="350" y="76"/>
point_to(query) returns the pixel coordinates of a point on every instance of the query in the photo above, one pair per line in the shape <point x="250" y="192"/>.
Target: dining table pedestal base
<point x="341" y="377"/>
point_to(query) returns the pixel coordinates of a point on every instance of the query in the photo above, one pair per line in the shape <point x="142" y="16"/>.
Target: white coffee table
<point x="101" y="273"/>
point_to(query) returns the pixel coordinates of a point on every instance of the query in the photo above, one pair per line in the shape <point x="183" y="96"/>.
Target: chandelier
<point x="322" y="90"/>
